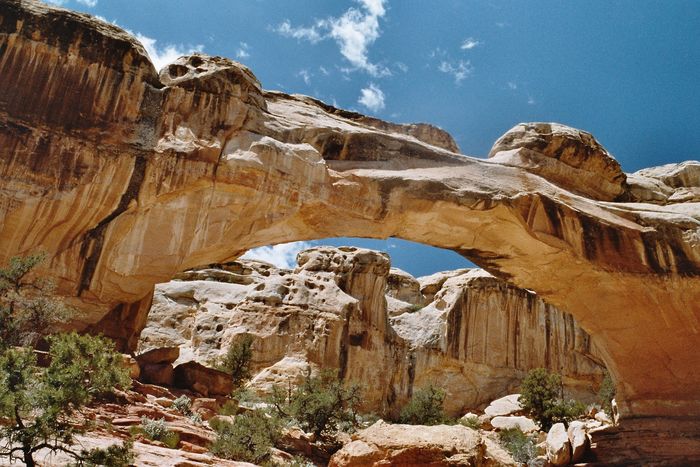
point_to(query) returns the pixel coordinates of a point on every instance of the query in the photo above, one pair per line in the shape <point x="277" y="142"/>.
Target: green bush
<point x="183" y="404"/>
<point x="158" y="430"/>
<point x="425" y="408"/>
<point x="113" y="456"/>
<point x="541" y="394"/>
<point x="28" y="309"/>
<point x="606" y="393"/>
<point x="470" y="422"/>
<point x="39" y="404"/>
<point x="522" y="447"/>
<point x="237" y="360"/>
<point x="321" y="404"/>
<point x="249" y="438"/>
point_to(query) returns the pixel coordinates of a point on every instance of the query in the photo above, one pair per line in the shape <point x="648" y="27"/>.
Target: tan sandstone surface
<point x="127" y="177"/>
<point x="474" y="335"/>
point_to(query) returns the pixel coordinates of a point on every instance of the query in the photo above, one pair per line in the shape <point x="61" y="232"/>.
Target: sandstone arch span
<point x="126" y="177"/>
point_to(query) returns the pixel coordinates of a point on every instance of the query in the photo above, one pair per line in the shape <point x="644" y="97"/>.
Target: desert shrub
<point x="158" y="430"/>
<point x="248" y="438"/>
<point x="39" y="404"/>
<point x="116" y="455"/>
<point x="300" y="461"/>
<point x="541" y="394"/>
<point x="320" y="404"/>
<point x="470" y="422"/>
<point x="236" y="362"/>
<point x="195" y="418"/>
<point x="425" y="407"/>
<point x="28" y="308"/>
<point x="183" y="404"/>
<point x="518" y="444"/>
<point x="606" y="393"/>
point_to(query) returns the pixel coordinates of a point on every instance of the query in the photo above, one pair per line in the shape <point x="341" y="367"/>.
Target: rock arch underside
<point x="126" y="177"/>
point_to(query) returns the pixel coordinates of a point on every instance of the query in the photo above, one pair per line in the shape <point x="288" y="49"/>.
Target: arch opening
<point x="346" y="308"/>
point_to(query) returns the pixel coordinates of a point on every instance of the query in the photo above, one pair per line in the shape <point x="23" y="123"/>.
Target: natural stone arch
<point x="139" y="176"/>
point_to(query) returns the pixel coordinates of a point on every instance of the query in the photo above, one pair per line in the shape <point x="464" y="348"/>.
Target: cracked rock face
<point x="137" y="177"/>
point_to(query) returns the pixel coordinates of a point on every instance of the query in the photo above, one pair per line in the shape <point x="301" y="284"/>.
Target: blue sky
<point x="628" y="71"/>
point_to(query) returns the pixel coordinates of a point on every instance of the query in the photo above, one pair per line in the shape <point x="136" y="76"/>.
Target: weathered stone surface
<point x="502" y="331"/>
<point x="670" y="183"/>
<point x="159" y="355"/>
<point x="523" y="424"/>
<point x="199" y="378"/>
<point x="403" y="286"/>
<point x="157" y="373"/>
<point x="331" y="312"/>
<point x="578" y="437"/>
<point x="218" y="166"/>
<point x="558" y="445"/>
<point x="564" y="155"/>
<point x="506" y="405"/>
<point x="441" y="445"/>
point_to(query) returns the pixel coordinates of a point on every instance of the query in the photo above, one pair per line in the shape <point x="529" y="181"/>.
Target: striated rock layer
<point x="475" y="336"/>
<point x="126" y="177"/>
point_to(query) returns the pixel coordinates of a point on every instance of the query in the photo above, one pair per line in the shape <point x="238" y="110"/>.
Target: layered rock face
<point x="126" y="177"/>
<point x="472" y="334"/>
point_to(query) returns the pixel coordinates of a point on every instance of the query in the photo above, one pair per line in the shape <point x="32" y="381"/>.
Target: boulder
<point x="524" y="424"/>
<point x="133" y="366"/>
<point x="206" y="381"/>
<point x="160" y="374"/>
<point x="578" y="437"/>
<point x="506" y="405"/>
<point x="160" y="355"/>
<point x="440" y="445"/>
<point x="567" y="156"/>
<point x="558" y="445"/>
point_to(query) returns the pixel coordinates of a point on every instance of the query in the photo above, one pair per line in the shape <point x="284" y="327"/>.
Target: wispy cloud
<point x="531" y="100"/>
<point x="87" y="3"/>
<point x="459" y="69"/>
<point x="283" y="255"/>
<point x="311" y="34"/>
<point x="512" y="85"/>
<point x="305" y="75"/>
<point x="243" y="51"/>
<point x="469" y="44"/>
<point x="372" y="98"/>
<point x="161" y="56"/>
<point x="354" y="32"/>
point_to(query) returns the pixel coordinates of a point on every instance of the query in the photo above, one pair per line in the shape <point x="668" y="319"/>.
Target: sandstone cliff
<point x="476" y="336"/>
<point x="127" y="177"/>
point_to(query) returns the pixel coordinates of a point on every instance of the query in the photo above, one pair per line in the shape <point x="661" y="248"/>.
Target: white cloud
<point x="531" y="100"/>
<point x="512" y="85"/>
<point x="311" y="34"/>
<point x="87" y="3"/>
<point x="161" y="56"/>
<point x="402" y="67"/>
<point x="242" y="51"/>
<point x="354" y="32"/>
<point x="459" y="69"/>
<point x="305" y="75"/>
<point x="323" y="70"/>
<point x="372" y="98"/>
<point x="283" y="255"/>
<point x="469" y="44"/>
